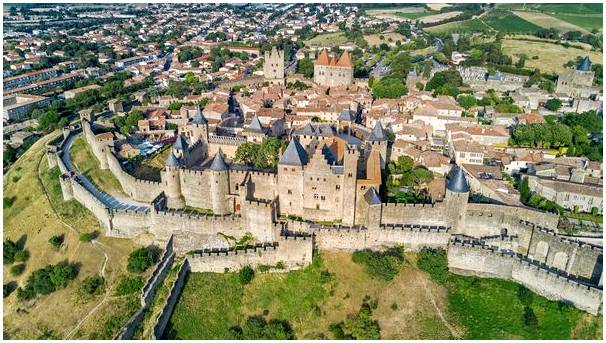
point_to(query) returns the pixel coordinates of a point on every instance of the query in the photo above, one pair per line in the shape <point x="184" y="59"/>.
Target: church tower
<point x="273" y="67"/>
<point x="457" y="196"/>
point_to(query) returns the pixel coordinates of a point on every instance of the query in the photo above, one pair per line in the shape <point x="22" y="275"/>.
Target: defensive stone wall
<point x="171" y="301"/>
<point x="138" y="189"/>
<point x="149" y="291"/>
<point x="293" y="252"/>
<point x="469" y="258"/>
<point x="413" y="237"/>
<point x="423" y="214"/>
<point x="129" y="223"/>
<point x="88" y="200"/>
<point x="342" y="238"/>
<point x="166" y="222"/>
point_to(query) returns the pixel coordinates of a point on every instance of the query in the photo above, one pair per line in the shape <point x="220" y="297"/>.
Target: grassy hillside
<point x="327" y="40"/>
<point x="37" y="213"/>
<point x="507" y="22"/>
<point x="412" y="306"/>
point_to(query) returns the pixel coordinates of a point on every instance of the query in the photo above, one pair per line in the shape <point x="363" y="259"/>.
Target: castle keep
<point x="273" y="67"/>
<point x="333" y="72"/>
<point x="325" y="194"/>
<point x="577" y="83"/>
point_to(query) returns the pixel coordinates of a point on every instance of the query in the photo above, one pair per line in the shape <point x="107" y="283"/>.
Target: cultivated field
<point x="439" y="17"/>
<point x="465" y="26"/>
<point x="38" y="212"/>
<point x="551" y="57"/>
<point x="375" y="39"/>
<point x="437" y="7"/>
<point x="327" y="40"/>
<point x="547" y="21"/>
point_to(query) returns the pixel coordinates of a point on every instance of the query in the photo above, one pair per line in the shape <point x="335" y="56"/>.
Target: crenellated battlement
<point x="402" y="205"/>
<point x="203" y="217"/>
<point x="227" y="140"/>
<point x="253" y="173"/>
<point x="416" y="228"/>
<point x="236" y="251"/>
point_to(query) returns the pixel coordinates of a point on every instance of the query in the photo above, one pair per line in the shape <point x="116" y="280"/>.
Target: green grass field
<point x="465" y="26"/>
<point x="588" y="22"/>
<point x="327" y="40"/>
<point x="507" y="22"/>
<point x="587" y="16"/>
<point x="423" y="12"/>
<point x="472" y="308"/>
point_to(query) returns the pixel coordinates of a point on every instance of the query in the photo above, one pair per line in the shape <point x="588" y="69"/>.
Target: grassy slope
<point x="32" y="216"/>
<point x="211" y="303"/>
<point x="507" y="22"/>
<point x="87" y="164"/>
<point x="474" y="308"/>
<point x="465" y="26"/>
<point x="327" y="39"/>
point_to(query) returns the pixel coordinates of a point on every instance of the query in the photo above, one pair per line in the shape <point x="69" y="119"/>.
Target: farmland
<point x="327" y="39"/>
<point x="547" y="21"/>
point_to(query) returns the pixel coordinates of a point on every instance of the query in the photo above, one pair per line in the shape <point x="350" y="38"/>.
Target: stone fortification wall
<point x="258" y="219"/>
<point x="149" y="291"/>
<point x="138" y="189"/>
<point x="574" y="257"/>
<point x="195" y="188"/>
<point x="227" y="144"/>
<point x="166" y="222"/>
<point x="467" y="258"/>
<point x="98" y="149"/>
<point x="497" y="214"/>
<point x="293" y="252"/>
<point x="413" y="237"/>
<point x="171" y="301"/>
<point x="129" y="223"/>
<point x="264" y="185"/>
<point x="349" y="239"/>
<point x="88" y="200"/>
<point x="422" y="214"/>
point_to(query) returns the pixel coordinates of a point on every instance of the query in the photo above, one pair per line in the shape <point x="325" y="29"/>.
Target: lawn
<point x="547" y="21"/>
<point x="327" y="40"/>
<point x="39" y="212"/>
<point x="505" y="21"/>
<point x="551" y="57"/>
<point x="87" y="164"/>
<point x="465" y="26"/>
<point x="211" y="303"/>
<point x="409" y="306"/>
<point x="375" y="39"/>
<point x="420" y="13"/>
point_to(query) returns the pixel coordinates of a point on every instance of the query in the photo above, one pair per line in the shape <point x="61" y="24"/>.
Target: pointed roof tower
<point x="171" y="160"/>
<point x="180" y="143"/>
<point x="323" y="58"/>
<point x="255" y="124"/>
<point x="585" y="64"/>
<point x="457" y="182"/>
<point x="377" y="133"/>
<point x="294" y="155"/>
<point x="218" y="162"/>
<point x="372" y="197"/>
<point x="199" y="117"/>
<point x="345" y="61"/>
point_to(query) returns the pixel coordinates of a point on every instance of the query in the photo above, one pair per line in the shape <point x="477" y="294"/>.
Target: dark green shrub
<point x="246" y="275"/>
<point x="21" y="256"/>
<point x="256" y="327"/>
<point x="17" y="269"/>
<point x="383" y="265"/>
<point x="26" y="293"/>
<point x="92" y="284"/>
<point x="8" y="202"/>
<point x="129" y="285"/>
<point x="9" y="250"/>
<point x="530" y="319"/>
<point x="8" y="288"/>
<point x="435" y="263"/>
<point x="141" y="259"/>
<point x="56" y="241"/>
<point x="325" y="276"/>
<point x="88" y="236"/>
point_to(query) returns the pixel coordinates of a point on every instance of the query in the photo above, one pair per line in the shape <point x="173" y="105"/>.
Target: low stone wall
<point x="471" y="259"/>
<point x="149" y="291"/>
<point x="171" y="301"/>
<point x="293" y="252"/>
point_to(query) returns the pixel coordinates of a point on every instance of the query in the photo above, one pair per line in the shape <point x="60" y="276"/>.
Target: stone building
<point x="568" y="194"/>
<point x="333" y="72"/>
<point x="577" y="83"/>
<point x="273" y="67"/>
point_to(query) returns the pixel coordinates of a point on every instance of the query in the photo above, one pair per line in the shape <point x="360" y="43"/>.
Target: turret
<point x="350" y="173"/>
<point x="457" y="196"/>
<point x="172" y="182"/>
<point x="199" y="127"/>
<point x="378" y="141"/>
<point x="181" y="150"/>
<point x="290" y="178"/>
<point x="219" y="184"/>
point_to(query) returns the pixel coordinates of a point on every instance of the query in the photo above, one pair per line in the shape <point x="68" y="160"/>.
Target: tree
<point x="256" y="327"/>
<point x="17" y="269"/>
<point x="361" y="325"/>
<point x="9" y="249"/>
<point x="389" y="87"/>
<point x="547" y="85"/>
<point x="56" y="241"/>
<point x="553" y="104"/>
<point x="141" y="259"/>
<point x="400" y="66"/>
<point x="61" y="274"/>
<point x="91" y="284"/>
<point x="305" y="66"/>
<point x="88" y="236"/>
<point x="246" y="275"/>
<point x="445" y="83"/>
<point x="467" y="101"/>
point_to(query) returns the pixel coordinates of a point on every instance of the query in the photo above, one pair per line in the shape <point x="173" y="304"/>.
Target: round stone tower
<point x="219" y="184"/>
<point x="172" y="182"/>
<point x="457" y="196"/>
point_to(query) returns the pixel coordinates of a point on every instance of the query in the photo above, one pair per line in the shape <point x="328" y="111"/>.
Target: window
<point x="338" y="187"/>
<point x="289" y="191"/>
<point x="322" y="198"/>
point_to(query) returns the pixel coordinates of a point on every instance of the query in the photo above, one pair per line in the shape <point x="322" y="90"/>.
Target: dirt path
<point x="453" y="331"/>
<point x="102" y="247"/>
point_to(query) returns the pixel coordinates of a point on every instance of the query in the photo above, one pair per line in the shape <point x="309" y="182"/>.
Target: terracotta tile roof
<point x="345" y="61"/>
<point x="323" y="58"/>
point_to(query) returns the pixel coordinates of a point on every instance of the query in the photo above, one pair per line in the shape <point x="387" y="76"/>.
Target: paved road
<point x="106" y="199"/>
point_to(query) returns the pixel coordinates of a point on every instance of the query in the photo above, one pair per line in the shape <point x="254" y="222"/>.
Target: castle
<point x="324" y="195"/>
<point x="577" y="83"/>
<point x="273" y="66"/>
<point x="333" y="72"/>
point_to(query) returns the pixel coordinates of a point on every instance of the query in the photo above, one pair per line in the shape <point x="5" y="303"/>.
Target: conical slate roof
<point x="171" y="160"/>
<point x="180" y="143"/>
<point x="457" y="182"/>
<point x="372" y="197"/>
<point x="377" y="133"/>
<point x="294" y="155"/>
<point x="328" y="154"/>
<point x="218" y="162"/>
<point x="199" y="117"/>
<point x="585" y="64"/>
<point x="346" y="115"/>
<point x="255" y="124"/>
